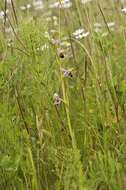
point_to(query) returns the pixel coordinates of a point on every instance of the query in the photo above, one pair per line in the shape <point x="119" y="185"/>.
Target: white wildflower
<point x="9" y="1"/>
<point x="80" y="33"/>
<point x="111" y="24"/>
<point x="85" y="1"/>
<point x="28" y="6"/>
<point x="61" y="4"/>
<point x="123" y="10"/>
<point x="2" y="14"/>
<point x="98" y="25"/>
<point x="37" y="4"/>
<point x="25" y="7"/>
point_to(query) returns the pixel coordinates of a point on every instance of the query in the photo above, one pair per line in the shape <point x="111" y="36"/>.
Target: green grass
<point x="80" y="143"/>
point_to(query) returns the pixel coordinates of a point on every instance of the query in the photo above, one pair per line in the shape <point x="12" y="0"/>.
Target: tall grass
<point x="77" y="143"/>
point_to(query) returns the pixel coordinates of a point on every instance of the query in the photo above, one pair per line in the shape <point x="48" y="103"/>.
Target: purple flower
<point x="66" y="72"/>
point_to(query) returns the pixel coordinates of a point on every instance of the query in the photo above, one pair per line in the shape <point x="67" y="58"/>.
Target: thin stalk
<point x="79" y="12"/>
<point x="5" y="17"/>
<point x="34" y="179"/>
<point x="105" y="21"/>
<point x="14" y="11"/>
<point x="21" y="112"/>
<point x="66" y="100"/>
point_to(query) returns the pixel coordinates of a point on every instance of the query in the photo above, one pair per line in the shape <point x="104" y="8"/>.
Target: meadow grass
<point x="62" y="96"/>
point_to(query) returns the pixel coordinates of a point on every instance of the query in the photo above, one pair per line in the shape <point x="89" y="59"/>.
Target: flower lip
<point x="57" y="99"/>
<point x="66" y="72"/>
<point x="61" y="55"/>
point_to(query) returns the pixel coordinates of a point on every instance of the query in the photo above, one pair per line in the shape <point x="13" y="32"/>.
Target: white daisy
<point x="80" y="33"/>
